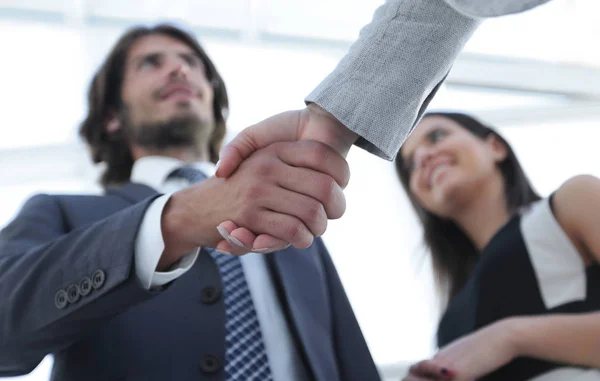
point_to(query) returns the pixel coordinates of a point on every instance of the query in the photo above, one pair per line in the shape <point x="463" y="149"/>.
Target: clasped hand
<point x="324" y="159"/>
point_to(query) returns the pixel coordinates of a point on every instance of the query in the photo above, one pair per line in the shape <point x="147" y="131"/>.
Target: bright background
<point x="535" y="76"/>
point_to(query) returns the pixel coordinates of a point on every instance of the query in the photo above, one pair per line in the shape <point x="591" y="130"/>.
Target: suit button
<point x="209" y="295"/>
<point x="210" y="364"/>
<point x="61" y="299"/>
<point x="98" y="278"/>
<point x="85" y="286"/>
<point x="73" y="293"/>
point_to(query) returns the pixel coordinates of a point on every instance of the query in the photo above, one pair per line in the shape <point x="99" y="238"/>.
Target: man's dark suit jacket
<point x="68" y="288"/>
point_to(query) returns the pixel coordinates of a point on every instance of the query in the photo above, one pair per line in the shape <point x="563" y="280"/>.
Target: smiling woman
<point x="501" y="256"/>
<point x="448" y="160"/>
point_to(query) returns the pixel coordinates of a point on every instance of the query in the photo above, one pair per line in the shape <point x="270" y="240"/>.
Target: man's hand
<point x="311" y="123"/>
<point x="287" y="190"/>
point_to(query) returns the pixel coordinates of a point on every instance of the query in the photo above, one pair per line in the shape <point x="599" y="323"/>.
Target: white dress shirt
<point x="282" y="352"/>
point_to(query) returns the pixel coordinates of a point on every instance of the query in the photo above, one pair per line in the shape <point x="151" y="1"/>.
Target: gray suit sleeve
<point x="39" y="256"/>
<point x="384" y="83"/>
<point x="493" y="8"/>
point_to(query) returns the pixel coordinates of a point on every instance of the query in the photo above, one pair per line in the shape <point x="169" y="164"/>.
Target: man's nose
<point x="180" y="70"/>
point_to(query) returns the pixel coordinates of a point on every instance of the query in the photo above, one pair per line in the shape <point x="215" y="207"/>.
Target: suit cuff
<point x="384" y="83"/>
<point x="150" y="245"/>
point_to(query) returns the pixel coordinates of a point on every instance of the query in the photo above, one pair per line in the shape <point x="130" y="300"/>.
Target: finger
<point x="317" y="186"/>
<point x="229" y="245"/>
<point x="278" y="128"/>
<point x="250" y="242"/>
<point x="227" y="248"/>
<point x="225" y="229"/>
<point x="266" y="243"/>
<point x="242" y="237"/>
<point x="303" y="208"/>
<point x="429" y="368"/>
<point x="447" y="366"/>
<point x="283" y="227"/>
<point x="412" y="377"/>
<point x="317" y="156"/>
<point x="262" y="244"/>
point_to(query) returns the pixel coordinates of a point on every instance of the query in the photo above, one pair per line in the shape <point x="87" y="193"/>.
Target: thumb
<point x="278" y="128"/>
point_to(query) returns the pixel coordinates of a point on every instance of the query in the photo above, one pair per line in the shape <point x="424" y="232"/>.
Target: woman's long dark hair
<point x="104" y="100"/>
<point x="453" y="253"/>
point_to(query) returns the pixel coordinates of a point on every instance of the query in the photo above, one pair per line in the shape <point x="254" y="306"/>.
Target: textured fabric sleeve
<point x="384" y="83"/>
<point x="149" y="246"/>
<point x="493" y="8"/>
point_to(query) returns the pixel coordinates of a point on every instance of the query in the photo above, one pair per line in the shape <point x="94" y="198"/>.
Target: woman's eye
<point x="436" y="135"/>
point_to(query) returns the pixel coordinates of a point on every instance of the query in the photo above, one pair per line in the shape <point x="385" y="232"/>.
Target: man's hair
<point x="104" y="103"/>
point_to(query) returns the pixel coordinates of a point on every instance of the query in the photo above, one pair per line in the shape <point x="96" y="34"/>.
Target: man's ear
<point x="113" y="125"/>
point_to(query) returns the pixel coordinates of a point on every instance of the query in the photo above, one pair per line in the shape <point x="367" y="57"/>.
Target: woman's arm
<point x="565" y="338"/>
<point x="572" y="339"/>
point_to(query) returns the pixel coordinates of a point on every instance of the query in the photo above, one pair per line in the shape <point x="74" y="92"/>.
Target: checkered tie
<point x="245" y="355"/>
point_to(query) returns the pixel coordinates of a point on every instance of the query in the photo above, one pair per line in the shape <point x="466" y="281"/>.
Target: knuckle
<point x="305" y="242"/>
<point x="315" y="210"/>
<point x="328" y="188"/>
<point x="249" y="201"/>
<point x="320" y="152"/>
<point x="255" y="191"/>
<point x="294" y="230"/>
<point x="345" y="175"/>
<point x="297" y="233"/>
<point x="245" y="215"/>
<point x="321" y="228"/>
<point x="315" y="214"/>
<point x="278" y="147"/>
<point x="264" y="167"/>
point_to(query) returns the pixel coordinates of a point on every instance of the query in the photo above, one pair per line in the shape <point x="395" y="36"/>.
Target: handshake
<point x="277" y="184"/>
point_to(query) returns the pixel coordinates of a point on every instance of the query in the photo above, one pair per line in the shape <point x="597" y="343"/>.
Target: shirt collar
<point x="153" y="170"/>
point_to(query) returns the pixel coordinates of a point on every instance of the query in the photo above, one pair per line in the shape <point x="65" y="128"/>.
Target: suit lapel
<point x="304" y="292"/>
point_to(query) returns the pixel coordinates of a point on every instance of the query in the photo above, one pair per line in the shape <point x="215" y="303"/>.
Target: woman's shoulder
<point x="576" y="203"/>
<point x="554" y="248"/>
<point x="562" y="219"/>
<point x="576" y="191"/>
<point x="578" y="194"/>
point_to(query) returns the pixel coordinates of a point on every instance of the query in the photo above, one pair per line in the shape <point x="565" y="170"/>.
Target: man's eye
<point x="149" y="62"/>
<point x="193" y="61"/>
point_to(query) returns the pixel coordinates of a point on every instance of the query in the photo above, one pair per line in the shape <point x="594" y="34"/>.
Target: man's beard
<point x="184" y="131"/>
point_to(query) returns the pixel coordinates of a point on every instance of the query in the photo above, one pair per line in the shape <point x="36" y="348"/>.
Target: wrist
<point x="336" y="134"/>
<point x="175" y="222"/>
<point x="514" y="334"/>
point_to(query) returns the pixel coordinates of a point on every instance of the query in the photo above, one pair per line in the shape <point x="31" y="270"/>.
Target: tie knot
<point x="188" y="173"/>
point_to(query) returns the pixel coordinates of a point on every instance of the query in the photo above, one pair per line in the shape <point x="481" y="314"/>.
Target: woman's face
<point x="448" y="165"/>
